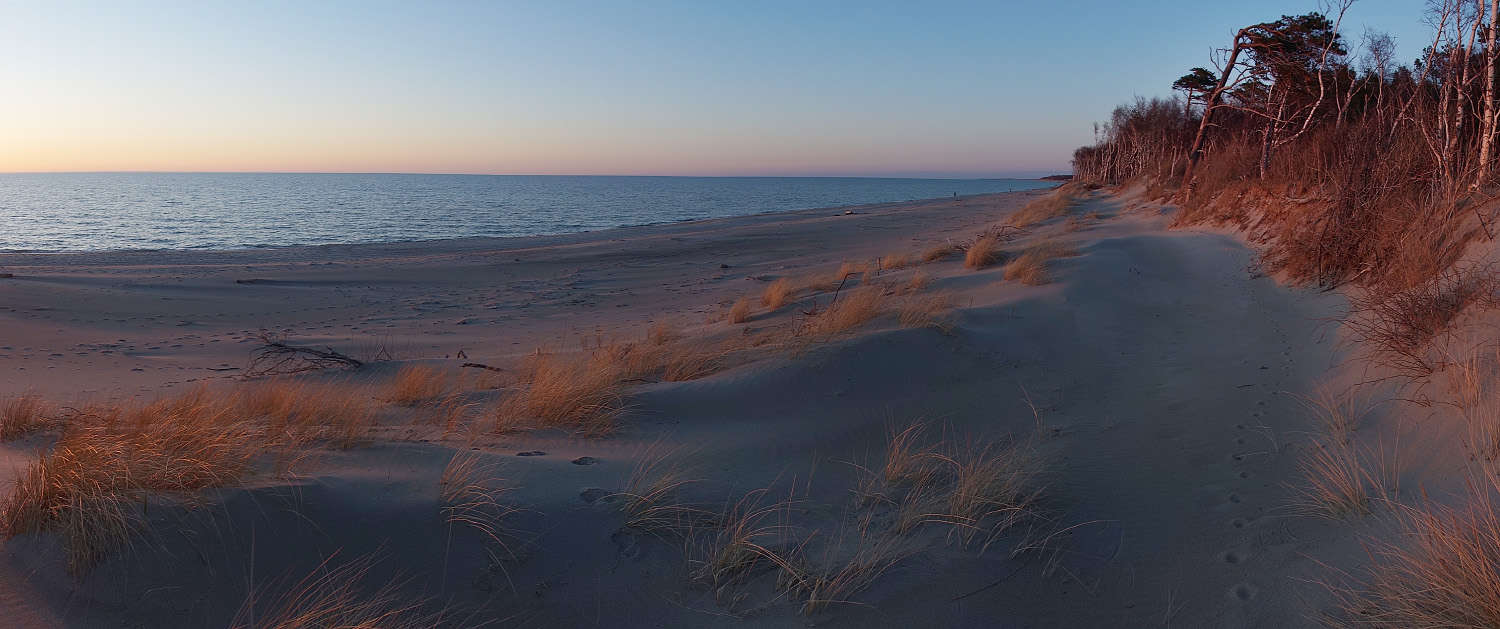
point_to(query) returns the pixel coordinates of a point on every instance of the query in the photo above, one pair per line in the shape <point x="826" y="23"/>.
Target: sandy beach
<point x="1152" y="385"/>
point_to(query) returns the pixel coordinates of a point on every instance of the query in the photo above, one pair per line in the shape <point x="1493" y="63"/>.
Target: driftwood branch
<point x="275" y="357"/>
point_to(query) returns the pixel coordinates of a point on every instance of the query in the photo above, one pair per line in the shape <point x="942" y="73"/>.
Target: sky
<point x="804" y="87"/>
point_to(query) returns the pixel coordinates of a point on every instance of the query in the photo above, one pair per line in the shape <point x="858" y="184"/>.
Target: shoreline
<point x="5" y="255"/>
<point x="1154" y="379"/>
<point x="174" y="314"/>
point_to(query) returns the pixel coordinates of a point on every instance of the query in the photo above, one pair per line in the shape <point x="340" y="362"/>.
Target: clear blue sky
<point x="692" y="87"/>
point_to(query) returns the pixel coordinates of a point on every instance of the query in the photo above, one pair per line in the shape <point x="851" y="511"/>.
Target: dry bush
<point x="1074" y="223"/>
<point x="415" y="383"/>
<point x="1336" y="485"/>
<point x="940" y="253"/>
<point x="983" y="252"/>
<point x="93" y="485"/>
<point x="740" y="311"/>
<point x="1031" y="266"/>
<point x="1396" y="328"/>
<point x="578" y="393"/>
<point x="1045" y="208"/>
<point x="21" y="416"/>
<point x="1445" y="573"/>
<point x="779" y="293"/>
<point x="334" y="598"/>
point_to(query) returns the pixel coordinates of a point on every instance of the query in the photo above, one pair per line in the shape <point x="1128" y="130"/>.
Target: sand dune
<point x="1155" y="378"/>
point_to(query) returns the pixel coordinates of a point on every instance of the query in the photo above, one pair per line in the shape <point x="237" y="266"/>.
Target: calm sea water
<point x="124" y="211"/>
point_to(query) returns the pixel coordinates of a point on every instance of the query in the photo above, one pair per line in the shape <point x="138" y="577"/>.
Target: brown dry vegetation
<point x="579" y="392"/>
<point x="418" y="382"/>
<point x="939" y="253"/>
<point x="1053" y="205"/>
<point x="778" y="294"/>
<point x="1031" y="266"/>
<point x="334" y="597"/>
<point x="896" y="261"/>
<point x="1446" y="574"/>
<point x="932" y="310"/>
<point x="21" y="416"/>
<point x="984" y="252"/>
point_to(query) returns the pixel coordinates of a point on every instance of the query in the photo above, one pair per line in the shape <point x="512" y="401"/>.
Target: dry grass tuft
<point x="1046" y="208"/>
<point x="21" y="416"/>
<point x="896" y="261"/>
<point x="652" y="494"/>
<point x="778" y="294"/>
<point x="940" y="253"/>
<point x="662" y="334"/>
<point x="932" y="310"/>
<point x="93" y="486"/>
<point x="1339" y="415"/>
<point x="472" y="493"/>
<point x="1338" y="485"/>
<point x="578" y="393"/>
<point x="740" y="311"/>
<point x="840" y="278"/>
<point x="415" y="383"/>
<point x="334" y="597"/>
<point x="984" y="252"/>
<point x="853" y="309"/>
<point x="294" y="414"/>
<point x="840" y="574"/>
<point x="1446" y="573"/>
<point x="1031" y="266"/>
<point x="743" y="542"/>
<point x="979" y="491"/>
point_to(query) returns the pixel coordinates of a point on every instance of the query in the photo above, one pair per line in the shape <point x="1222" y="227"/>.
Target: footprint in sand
<point x="1238" y="523"/>
<point x="1235" y="498"/>
<point x="626" y="541"/>
<point x="1243" y="591"/>
<point x="1231" y="557"/>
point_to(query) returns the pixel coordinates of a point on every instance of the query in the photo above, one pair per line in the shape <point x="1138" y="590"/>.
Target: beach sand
<point x="1156" y="379"/>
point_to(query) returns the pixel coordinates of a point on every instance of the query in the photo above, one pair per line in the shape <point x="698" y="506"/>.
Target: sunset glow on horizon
<point x="982" y="89"/>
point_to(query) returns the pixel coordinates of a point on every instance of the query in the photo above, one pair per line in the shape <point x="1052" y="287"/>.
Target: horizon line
<point x="1026" y="174"/>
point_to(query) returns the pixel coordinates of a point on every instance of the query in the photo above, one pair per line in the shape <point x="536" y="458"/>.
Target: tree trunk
<point x="1196" y="152"/>
<point x="1487" y="123"/>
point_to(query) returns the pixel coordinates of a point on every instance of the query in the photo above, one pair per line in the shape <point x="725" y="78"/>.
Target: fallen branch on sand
<point x="275" y="357"/>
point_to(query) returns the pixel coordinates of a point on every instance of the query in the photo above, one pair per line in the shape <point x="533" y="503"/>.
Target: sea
<point x="60" y="212"/>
